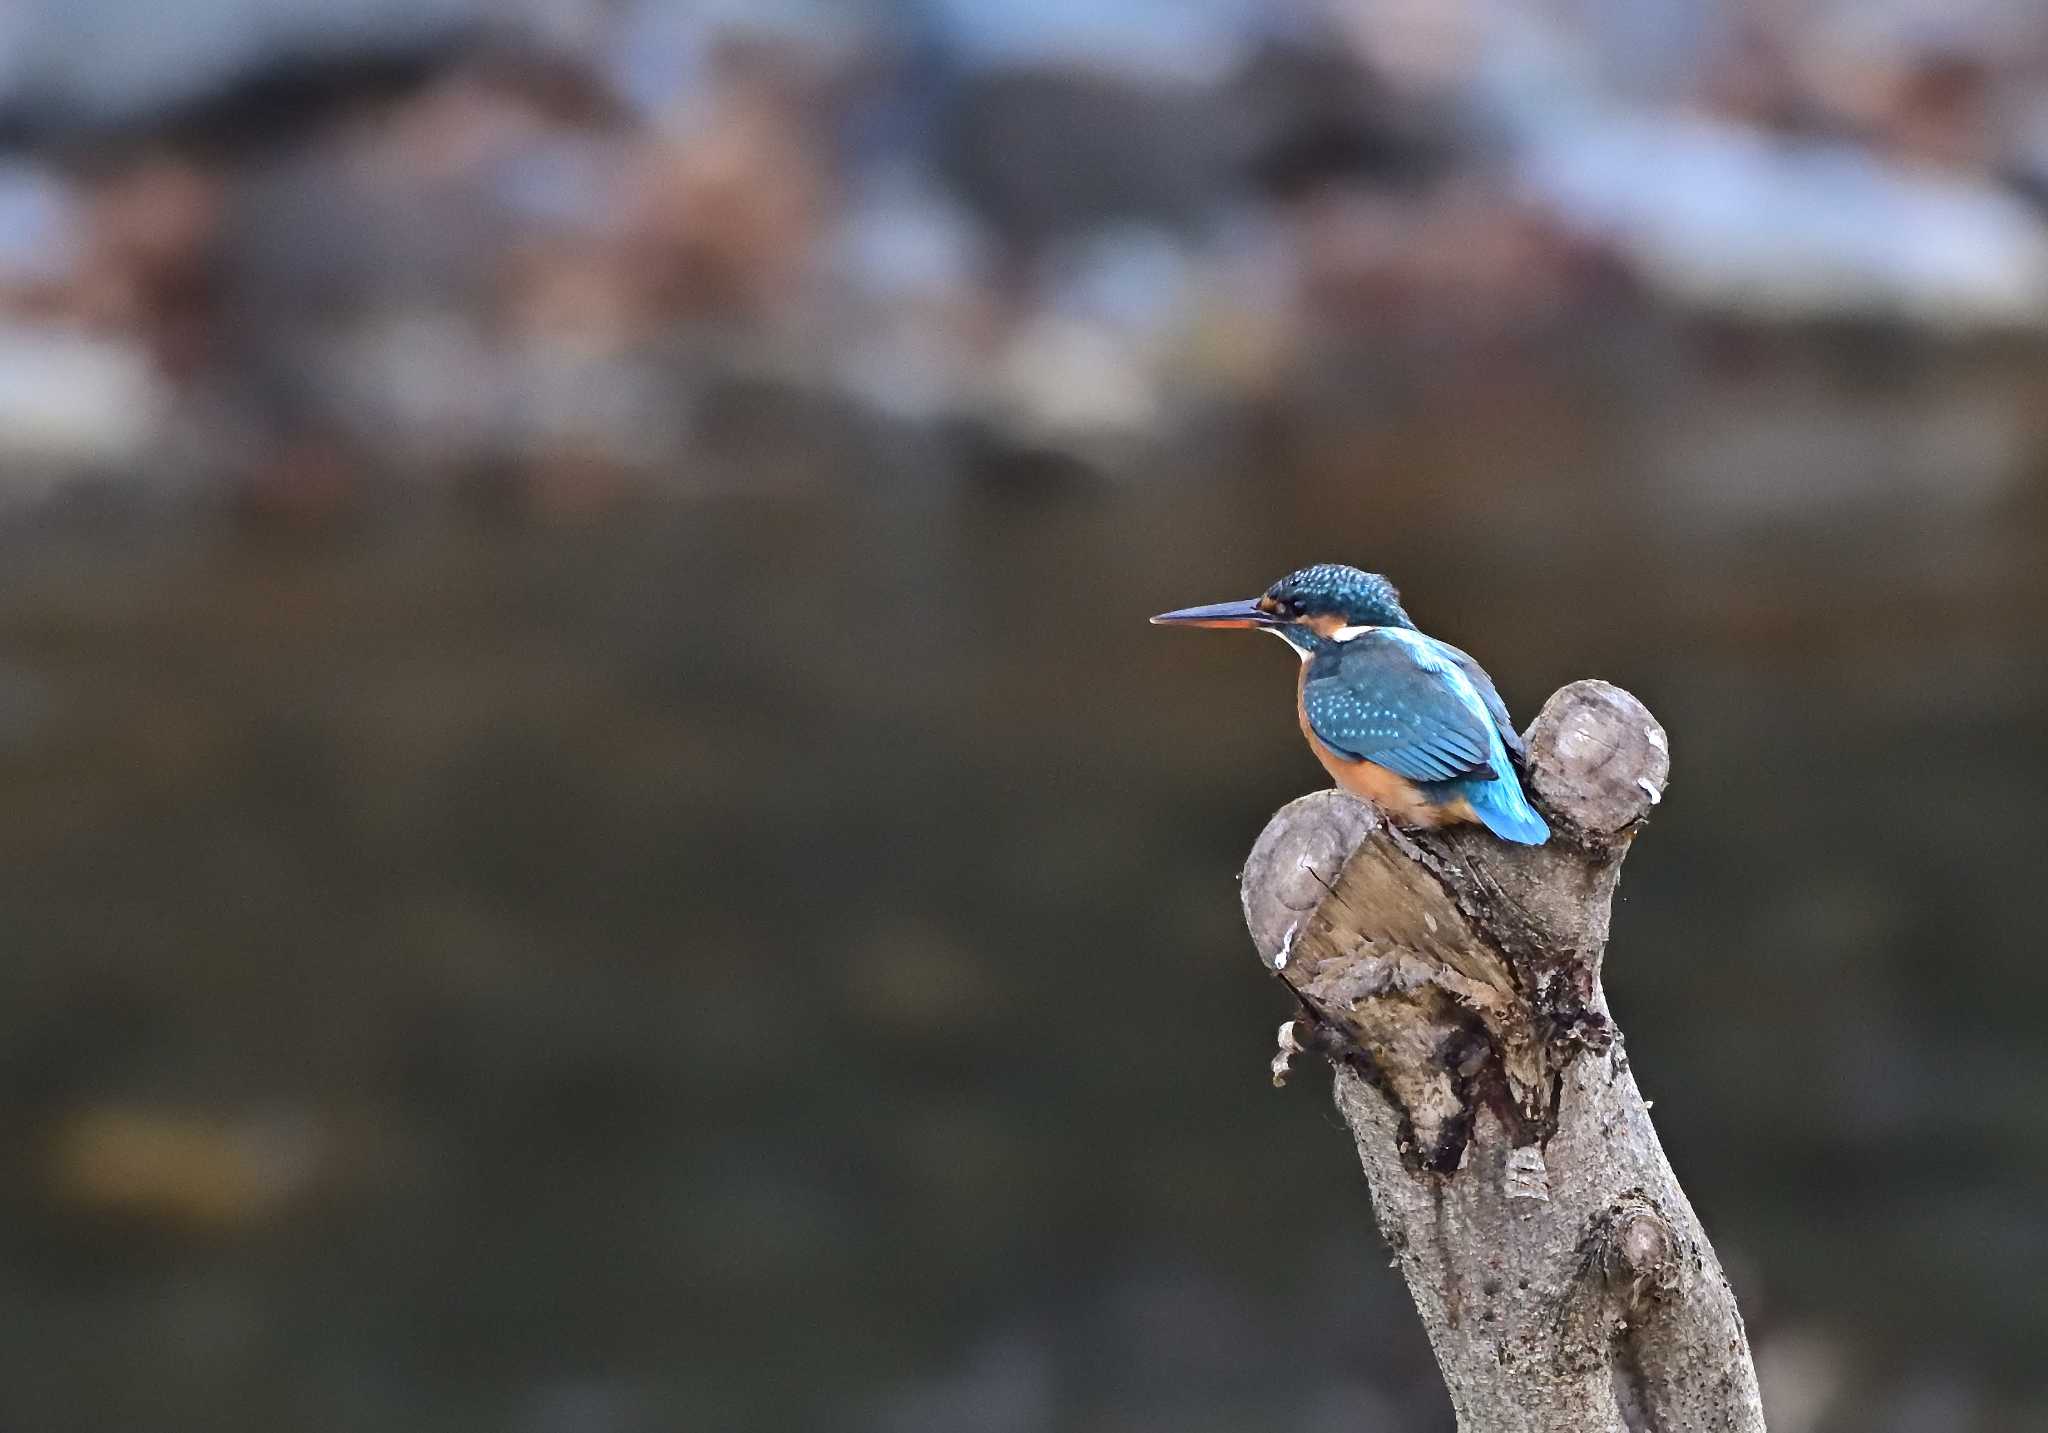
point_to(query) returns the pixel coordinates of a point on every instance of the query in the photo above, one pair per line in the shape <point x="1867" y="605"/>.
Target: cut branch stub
<point x="1454" y="980"/>
<point x="1598" y="758"/>
<point x="1459" y="968"/>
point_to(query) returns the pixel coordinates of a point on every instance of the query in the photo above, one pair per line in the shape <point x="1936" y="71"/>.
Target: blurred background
<point x="592" y="838"/>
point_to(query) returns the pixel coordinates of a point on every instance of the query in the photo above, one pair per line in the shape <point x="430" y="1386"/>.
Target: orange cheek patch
<point x="1325" y="625"/>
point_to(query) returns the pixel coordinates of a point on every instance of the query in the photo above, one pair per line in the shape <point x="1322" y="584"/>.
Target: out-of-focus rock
<point x="1731" y="219"/>
<point x="1065" y="382"/>
<point x="1425" y="50"/>
<point x="153" y="228"/>
<point x="1042" y="154"/>
<point x="72" y="401"/>
<point x="119" y="63"/>
<point x="914" y="316"/>
<point x="1088" y="362"/>
<point x="1141" y="41"/>
<point x="728" y="208"/>
<point x="40" y="238"/>
<point x="424" y="385"/>
<point x="1461" y="261"/>
<point x="543" y="245"/>
<point x="660" y="58"/>
<point x="2026" y="157"/>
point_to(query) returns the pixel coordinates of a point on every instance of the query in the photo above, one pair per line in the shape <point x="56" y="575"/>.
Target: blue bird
<point x="1410" y="723"/>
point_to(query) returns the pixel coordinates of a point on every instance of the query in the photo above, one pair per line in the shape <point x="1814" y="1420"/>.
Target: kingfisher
<point x="1408" y="722"/>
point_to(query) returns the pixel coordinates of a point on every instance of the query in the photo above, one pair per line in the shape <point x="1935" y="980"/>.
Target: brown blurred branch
<point x="1454" y="982"/>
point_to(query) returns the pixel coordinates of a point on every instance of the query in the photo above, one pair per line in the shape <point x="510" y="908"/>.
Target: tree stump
<point x="1453" y="980"/>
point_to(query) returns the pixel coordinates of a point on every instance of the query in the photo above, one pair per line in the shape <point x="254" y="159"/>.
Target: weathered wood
<point x="1454" y="981"/>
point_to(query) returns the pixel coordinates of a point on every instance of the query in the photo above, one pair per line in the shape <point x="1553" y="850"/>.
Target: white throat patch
<point x="1281" y="633"/>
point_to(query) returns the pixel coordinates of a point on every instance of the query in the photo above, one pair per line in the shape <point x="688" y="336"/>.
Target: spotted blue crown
<point x="1362" y="599"/>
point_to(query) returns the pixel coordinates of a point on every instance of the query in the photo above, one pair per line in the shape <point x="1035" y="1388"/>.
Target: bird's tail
<point x="1505" y="810"/>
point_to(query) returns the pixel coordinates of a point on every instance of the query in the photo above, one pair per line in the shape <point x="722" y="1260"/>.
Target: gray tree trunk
<point x="1454" y="982"/>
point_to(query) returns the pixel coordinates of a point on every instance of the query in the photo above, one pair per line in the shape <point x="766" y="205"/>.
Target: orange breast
<point x="1396" y="795"/>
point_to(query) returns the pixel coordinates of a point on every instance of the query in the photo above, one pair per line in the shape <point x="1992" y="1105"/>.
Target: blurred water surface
<point x="769" y="958"/>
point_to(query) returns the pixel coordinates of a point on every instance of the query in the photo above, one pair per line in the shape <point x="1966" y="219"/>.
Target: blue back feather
<point x="1425" y="711"/>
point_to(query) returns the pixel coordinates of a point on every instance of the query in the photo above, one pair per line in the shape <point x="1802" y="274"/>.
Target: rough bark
<point x="1454" y="982"/>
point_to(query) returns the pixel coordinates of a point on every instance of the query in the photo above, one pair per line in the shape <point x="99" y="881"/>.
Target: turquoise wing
<point x="1495" y="707"/>
<point x="1386" y="697"/>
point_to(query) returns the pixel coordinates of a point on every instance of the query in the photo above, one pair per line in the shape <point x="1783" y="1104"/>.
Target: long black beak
<point x="1219" y="614"/>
